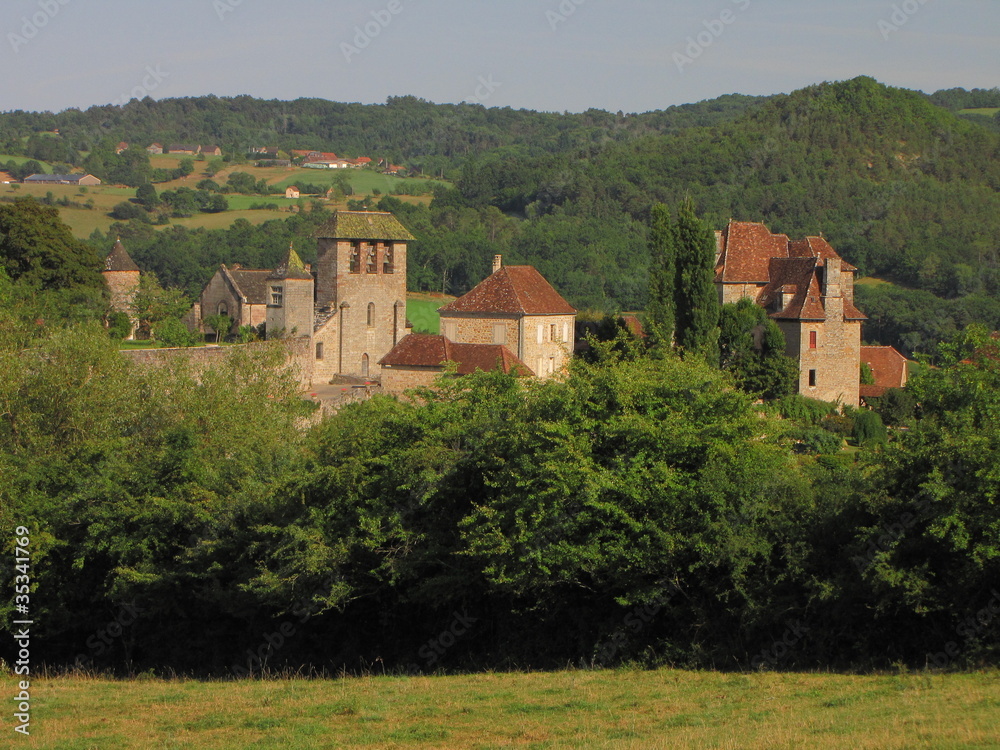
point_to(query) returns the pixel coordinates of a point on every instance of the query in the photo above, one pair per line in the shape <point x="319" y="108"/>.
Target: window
<point x="541" y="333"/>
<point x="276" y="296"/>
<point x="388" y="262"/>
<point x="356" y="258"/>
<point x="372" y="265"/>
<point x="812" y="378"/>
<point x="319" y="350"/>
<point x="371" y="314"/>
<point x="451" y="330"/>
<point x="499" y="333"/>
<point x="364" y="366"/>
<point x="552" y="332"/>
<point x="812" y="339"/>
<point x="223" y="309"/>
<point x="565" y="337"/>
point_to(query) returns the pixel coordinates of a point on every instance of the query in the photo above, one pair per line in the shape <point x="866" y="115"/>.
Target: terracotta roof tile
<point x="888" y="365"/>
<point x="747" y="249"/>
<point x="426" y="350"/>
<point x="512" y="290"/>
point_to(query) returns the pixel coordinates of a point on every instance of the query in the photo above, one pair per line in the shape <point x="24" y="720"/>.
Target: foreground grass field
<point x="583" y="709"/>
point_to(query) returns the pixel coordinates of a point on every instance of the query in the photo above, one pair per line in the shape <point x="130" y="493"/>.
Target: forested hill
<point x="427" y="136"/>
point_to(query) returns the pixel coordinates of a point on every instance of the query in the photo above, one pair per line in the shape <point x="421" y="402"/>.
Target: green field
<point x="581" y="709"/>
<point x="421" y="310"/>
<point x="46" y="167"/>
<point x="987" y="111"/>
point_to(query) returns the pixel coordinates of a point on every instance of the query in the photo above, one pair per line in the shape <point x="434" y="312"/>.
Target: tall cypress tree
<point x="661" y="311"/>
<point x="696" y="300"/>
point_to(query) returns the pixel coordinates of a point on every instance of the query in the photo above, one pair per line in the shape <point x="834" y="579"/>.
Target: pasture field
<point x="987" y="111"/>
<point x="421" y="310"/>
<point x="46" y="167"/>
<point x="576" y="709"/>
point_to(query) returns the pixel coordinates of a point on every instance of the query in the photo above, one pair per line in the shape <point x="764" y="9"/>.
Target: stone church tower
<point x="121" y="275"/>
<point x="360" y="293"/>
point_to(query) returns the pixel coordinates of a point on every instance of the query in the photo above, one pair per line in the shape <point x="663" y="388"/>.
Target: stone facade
<point x="518" y="308"/>
<point x="808" y="290"/>
<point x="237" y="292"/>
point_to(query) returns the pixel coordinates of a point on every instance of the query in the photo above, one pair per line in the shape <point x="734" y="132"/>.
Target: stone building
<point x="360" y="293"/>
<point x="419" y="359"/>
<point x="808" y="289"/>
<point x="241" y="293"/>
<point x="350" y="306"/>
<point x="121" y="275"/>
<point x="515" y="307"/>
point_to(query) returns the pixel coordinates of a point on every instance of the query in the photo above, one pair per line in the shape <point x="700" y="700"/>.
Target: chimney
<point x="497" y="263"/>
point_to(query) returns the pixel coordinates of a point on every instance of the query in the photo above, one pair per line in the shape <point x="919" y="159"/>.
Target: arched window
<point x="356" y="258"/>
<point x="372" y="260"/>
<point x="364" y="366"/>
<point x="388" y="263"/>
<point x="371" y="314"/>
<point x="223" y="309"/>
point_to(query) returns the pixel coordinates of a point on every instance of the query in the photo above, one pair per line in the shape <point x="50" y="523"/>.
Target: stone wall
<point x="835" y="361"/>
<point x="399" y="379"/>
<point x="204" y="357"/>
<point x="530" y="337"/>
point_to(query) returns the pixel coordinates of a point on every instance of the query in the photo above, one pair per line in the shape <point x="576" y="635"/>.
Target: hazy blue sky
<point x="632" y="55"/>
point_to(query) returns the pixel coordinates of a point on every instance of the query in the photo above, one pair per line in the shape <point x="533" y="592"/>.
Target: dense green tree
<point x="661" y="312"/>
<point x="39" y="251"/>
<point x="697" y="301"/>
<point x="752" y="348"/>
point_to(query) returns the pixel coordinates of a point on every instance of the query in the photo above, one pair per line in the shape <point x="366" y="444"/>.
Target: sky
<point x="551" y="55"/>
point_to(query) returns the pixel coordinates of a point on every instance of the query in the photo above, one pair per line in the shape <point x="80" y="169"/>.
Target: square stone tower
<point x="360" y="292"/>
<point x="290" y="299"/>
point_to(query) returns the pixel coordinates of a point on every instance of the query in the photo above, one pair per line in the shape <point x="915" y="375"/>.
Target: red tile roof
<point x="888" y="366"/>
<point x="794" y="279"/>
<point x="747" y="248"/>
<point x="513" y="290"/>
<point x="426" y="350"/>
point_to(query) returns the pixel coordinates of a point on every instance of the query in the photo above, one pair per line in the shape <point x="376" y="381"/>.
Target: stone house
<point x="515" y="307"/>
<point x="292" y="192"/>
<point x="240" y="293"/>
<point x="121" y="275"/>
<point x="154" y="148"/>
<point x="419" y="359"/>
<point x="808" y="290"/>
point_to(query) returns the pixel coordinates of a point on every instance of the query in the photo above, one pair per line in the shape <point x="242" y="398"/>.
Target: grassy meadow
<point x="576" y="709"/>
<point x="421" y="310"/>
<point x="83" y="221"/>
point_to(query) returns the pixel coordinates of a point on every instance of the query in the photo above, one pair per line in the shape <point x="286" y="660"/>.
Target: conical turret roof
<point x="291" y="267"/>
<point x="119" y="260"/>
